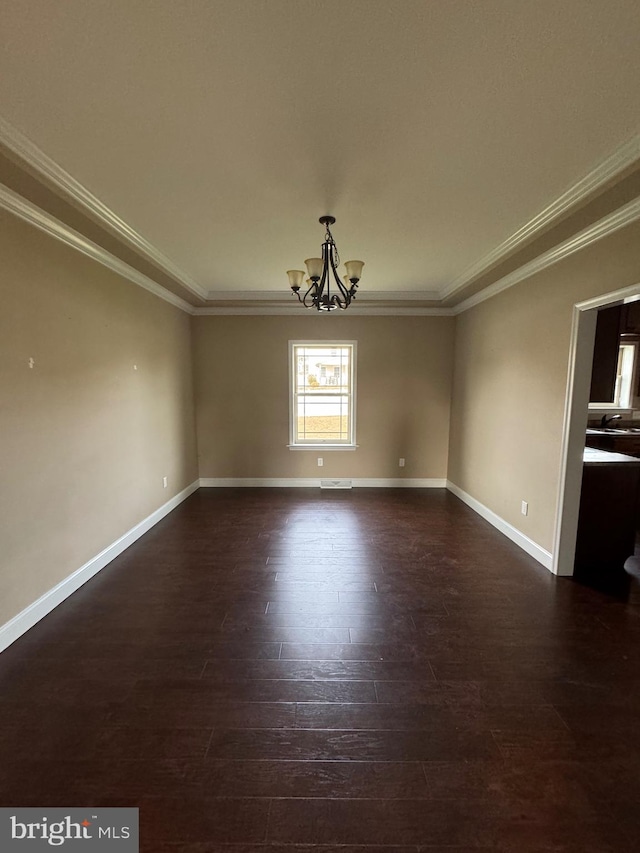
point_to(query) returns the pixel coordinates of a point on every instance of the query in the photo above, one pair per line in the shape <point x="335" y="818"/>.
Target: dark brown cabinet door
<point x="605" y="355"/>
<point x="607" y="520"/>
<point x="631" y="318"/>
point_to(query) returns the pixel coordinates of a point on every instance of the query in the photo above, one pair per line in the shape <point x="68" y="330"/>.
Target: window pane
<point x="319" y="368"/>
<point x="323" y="418"/>
<point x="624" y="375"/>
<point x="322" y="404"/>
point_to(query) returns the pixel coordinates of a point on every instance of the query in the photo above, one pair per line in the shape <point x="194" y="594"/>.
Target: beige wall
<point x="403" y="394"/>
<point x="85" y="438"/>
<point x="510" y="380"/>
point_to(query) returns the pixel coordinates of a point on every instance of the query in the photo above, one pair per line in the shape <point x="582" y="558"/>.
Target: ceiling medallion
<point x="324" y="294"/>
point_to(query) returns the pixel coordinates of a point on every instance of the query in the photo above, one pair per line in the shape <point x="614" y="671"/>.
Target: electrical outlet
<point x="401" y="462"/>
<point x="524" y="508"/>
<point x="320" y="461"/>
<point x="165" y="482"/>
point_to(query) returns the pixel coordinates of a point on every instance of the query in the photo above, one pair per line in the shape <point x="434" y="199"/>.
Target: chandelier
<point x="325" y="290"/>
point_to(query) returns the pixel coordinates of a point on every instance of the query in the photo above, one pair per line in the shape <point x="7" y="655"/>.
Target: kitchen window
<point x="624" y="376"/>
<point x="322" y="394"/>
<point x="623" y="392"/>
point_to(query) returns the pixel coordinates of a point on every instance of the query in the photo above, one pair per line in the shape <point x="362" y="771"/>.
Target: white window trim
<point x="322" y="445"/>
<point x="597" y="408"/>
<point x="326" y="446"/>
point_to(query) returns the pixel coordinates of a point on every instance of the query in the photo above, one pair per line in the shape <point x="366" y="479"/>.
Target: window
<point x="322" y="391"/>
<point x="624" y="376"/>
<point x="625" y="372"/>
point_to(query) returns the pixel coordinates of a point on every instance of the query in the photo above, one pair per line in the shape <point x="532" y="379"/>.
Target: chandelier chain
<point x="332" y="243"/>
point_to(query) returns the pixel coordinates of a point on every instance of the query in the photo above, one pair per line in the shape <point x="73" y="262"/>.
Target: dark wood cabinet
<point x="608" y="509"/>
<point x="631" y="318"/>
<point x="605" y="354"/>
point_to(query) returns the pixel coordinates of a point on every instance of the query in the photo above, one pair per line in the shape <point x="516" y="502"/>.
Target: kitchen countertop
<point x="613" y="431"/>
<point x="593" y="456"/>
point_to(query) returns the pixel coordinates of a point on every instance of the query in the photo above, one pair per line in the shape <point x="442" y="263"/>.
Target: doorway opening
<point x="576" y="414"/>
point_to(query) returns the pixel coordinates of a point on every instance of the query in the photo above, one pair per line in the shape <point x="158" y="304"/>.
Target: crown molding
<point x="279" y="295"/>
<point x="264" y="302"/>
<point x="298" y="311"/>
<point x="20" y="145"/>
<point x="622" y="158"/>
<point x="609" y="224"/>
<point x="25" y="210"/>
<point x="29" y="212"/>
<point x="274" y="303"/>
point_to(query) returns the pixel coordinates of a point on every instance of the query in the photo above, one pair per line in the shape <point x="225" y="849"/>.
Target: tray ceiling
<point x="219" y="131"/>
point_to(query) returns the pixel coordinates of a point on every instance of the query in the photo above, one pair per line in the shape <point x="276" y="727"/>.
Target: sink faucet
<point x="607" y="420"/>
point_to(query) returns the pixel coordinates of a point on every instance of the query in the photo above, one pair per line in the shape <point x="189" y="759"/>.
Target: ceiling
<point x="220" y="130"/>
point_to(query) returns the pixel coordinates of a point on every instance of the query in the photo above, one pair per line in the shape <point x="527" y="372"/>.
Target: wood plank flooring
<point x="305" y="672"/>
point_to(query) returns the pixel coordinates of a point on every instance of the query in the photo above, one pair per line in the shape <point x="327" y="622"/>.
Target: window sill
<point x="325" y="446"/>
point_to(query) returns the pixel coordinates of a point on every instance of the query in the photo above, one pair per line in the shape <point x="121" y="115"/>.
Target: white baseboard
<point x="401" y="483"/>
<point x="16" y="627"/>
<point x="532" y="548"/>
<point x="311" y="483"/>
<point x="258" y="482"/>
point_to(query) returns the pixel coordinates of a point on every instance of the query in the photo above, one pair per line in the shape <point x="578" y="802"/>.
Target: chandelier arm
<point x="324" y="281"/>
<point x="342" y="291"/>
<point x="304" y="298"/>
<point x="326" y="258"/>
<point x="311" y="305"/>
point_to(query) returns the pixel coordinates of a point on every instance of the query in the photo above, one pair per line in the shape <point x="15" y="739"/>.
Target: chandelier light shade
<point x="325" y="291"/>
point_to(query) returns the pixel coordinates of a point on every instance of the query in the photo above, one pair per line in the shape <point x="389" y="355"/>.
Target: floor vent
<point x="336" y="484"/>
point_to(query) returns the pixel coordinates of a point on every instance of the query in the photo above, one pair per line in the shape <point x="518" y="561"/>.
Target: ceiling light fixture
<point x="320" y="271"/>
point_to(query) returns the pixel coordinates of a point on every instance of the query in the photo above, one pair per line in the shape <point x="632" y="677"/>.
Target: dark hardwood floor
<point x="296" y="670"/>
